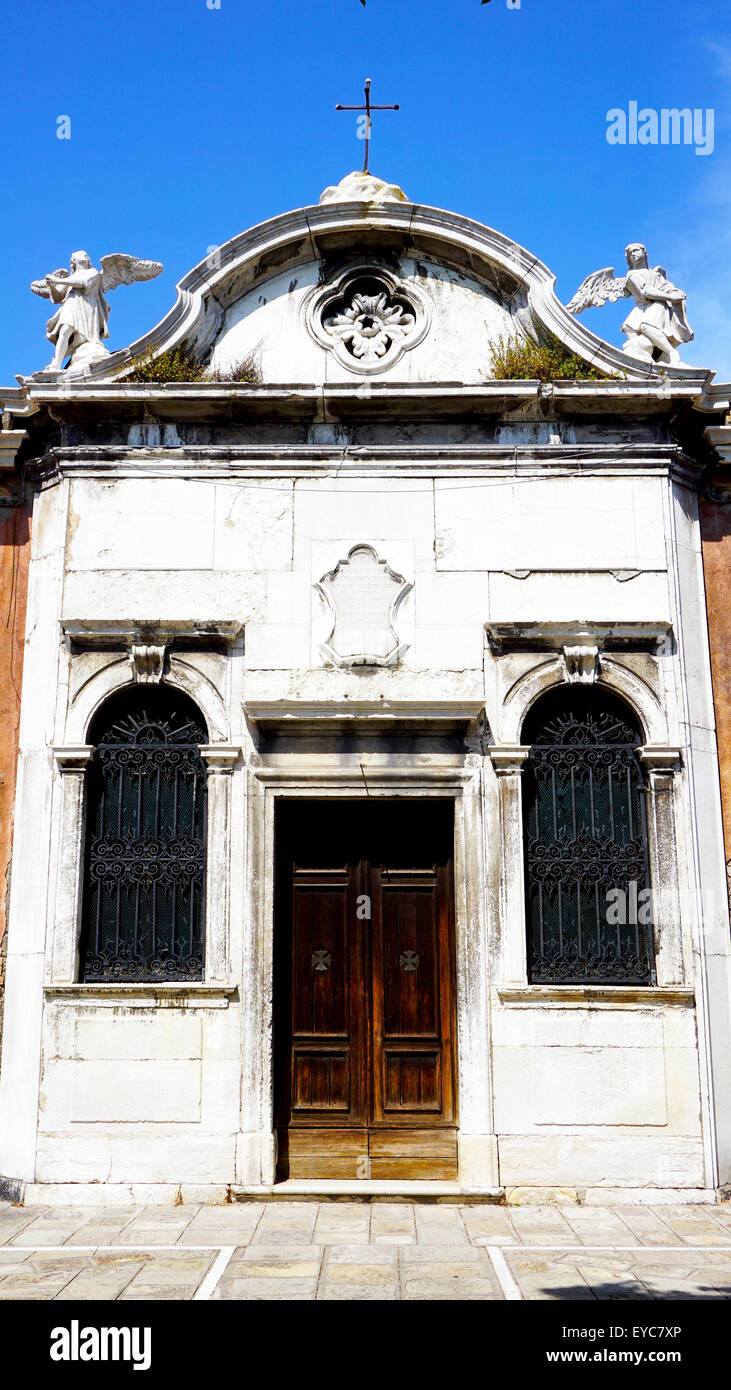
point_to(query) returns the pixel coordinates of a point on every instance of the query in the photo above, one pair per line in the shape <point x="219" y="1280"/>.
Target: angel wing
<point x="124" y="270"/>
<point x="596" y="289"/>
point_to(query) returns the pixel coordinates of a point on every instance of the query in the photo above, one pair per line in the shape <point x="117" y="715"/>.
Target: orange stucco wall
<point x="716" y="537"/>
<point x="14" y="557"/>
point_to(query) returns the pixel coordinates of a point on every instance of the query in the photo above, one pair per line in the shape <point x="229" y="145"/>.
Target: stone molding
<point x="508" y="761"/>
<point x="71" y="761"/>
<point x="613" y="674"/>
<point x="118" y="632"/>
<point x="177" y="995"/>
<point x="116" y="675"/>
<point x="596" y="996"/>
<point x="307" y="777"/>
<point x="220" y="759"/>
<point x="378" y="774"/>
<point x="550" y="636"/>
<point x="334" y="713"/>
<point x="396" y="403"/>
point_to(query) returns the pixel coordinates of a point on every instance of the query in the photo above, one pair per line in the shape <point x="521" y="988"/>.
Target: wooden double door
<point x="364" y="1012"/>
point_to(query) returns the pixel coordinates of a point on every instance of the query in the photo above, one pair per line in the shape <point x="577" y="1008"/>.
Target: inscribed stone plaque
<point x="363" y="595"/>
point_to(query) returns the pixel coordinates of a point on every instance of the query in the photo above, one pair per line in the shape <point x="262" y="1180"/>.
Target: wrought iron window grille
<point x="145" y="860"/>
<point x="585" y="837"/>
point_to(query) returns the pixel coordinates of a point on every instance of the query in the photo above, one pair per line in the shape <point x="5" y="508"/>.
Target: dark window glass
<point x="144" y="869"/>
<point x="588" y="904"/>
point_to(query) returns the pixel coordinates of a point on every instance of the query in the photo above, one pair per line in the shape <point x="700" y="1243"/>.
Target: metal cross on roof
<point x="367" y="109"/>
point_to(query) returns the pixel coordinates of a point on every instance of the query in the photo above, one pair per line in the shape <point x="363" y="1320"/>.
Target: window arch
<point x="143" y="904"/>
<point x="588" y="904"/>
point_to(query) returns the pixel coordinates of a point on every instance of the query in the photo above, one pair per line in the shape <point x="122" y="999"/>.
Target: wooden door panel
<point x="409" y="960"/>
<point x="404" y="1168"/>
<point x="413" y="1081"/>
<point x="325" y="1045"/>
<point x="320" y="958"/>
<point x="416" y="1143"/>
<point x="412" y="1004"/>
<point x="324" y="1153"/>
<point x="365" y="1069"/>
<point x="413" y="1153"/>
<point x="320" y="1080"/>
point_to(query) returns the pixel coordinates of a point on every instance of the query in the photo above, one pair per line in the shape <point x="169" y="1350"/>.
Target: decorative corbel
<point x="508" y="758"/>
<point x="220" y="757"/>
<point x="581" y="664"/>
<point x="10" y="442"/>
<point x="73" y="757"/>
<point x="662" y="762"/>
<point x="147" y="664"/>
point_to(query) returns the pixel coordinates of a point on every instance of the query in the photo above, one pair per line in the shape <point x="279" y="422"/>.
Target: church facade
<point x="368" y="826"/>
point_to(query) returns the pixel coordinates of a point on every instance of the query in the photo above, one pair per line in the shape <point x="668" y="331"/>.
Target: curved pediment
<point x="370" y="291"/>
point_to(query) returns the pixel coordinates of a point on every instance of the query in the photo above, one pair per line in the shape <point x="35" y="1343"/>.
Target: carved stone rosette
<point x="367" y="319"/>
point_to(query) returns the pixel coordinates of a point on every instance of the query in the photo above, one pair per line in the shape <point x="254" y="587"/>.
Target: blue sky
<point x="190" y="123"/>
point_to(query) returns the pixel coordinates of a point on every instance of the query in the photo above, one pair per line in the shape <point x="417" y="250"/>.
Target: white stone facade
<point x="546" y="534"/>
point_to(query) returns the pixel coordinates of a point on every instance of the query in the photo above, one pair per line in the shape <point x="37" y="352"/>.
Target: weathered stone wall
<point x="716" y="539"/>
<point x="146" y="1087"/>
<point x="14" y="557"/>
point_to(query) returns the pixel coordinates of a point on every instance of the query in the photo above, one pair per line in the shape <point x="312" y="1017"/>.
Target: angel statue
<point x="658" y="322"/>
<point x="80" y="323"/>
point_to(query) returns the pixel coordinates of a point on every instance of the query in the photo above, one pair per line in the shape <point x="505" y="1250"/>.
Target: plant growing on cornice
<point x="177" y="365"/>
<point x="512" y="359"/>
<point x="173" y="365"/>
<point x="246" y="371"/>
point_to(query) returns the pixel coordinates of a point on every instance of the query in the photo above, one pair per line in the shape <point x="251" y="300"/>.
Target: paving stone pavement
<point x="352" y="1251"/>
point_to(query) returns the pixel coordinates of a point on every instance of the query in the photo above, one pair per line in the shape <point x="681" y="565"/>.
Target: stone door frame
<point x="311" y="777"/>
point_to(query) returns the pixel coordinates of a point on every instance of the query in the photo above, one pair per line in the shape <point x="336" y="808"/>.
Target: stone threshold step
<point x="367" y="1190"/>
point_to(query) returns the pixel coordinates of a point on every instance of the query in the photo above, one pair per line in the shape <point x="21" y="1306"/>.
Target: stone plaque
<point x="363" y="595"/>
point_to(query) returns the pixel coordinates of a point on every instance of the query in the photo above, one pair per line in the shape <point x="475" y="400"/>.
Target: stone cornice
<point x="301" y="715"/>
<point x="633" y="453"/>
<point x="432" y="460"/>
<point x="120" y="632"/>
<point x="548" y="636"/>
<point x="582" y="396"/>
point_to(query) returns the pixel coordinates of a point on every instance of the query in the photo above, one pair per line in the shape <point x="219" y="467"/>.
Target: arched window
<point x="145" y="861"/>
<point x="588" y="904"/>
